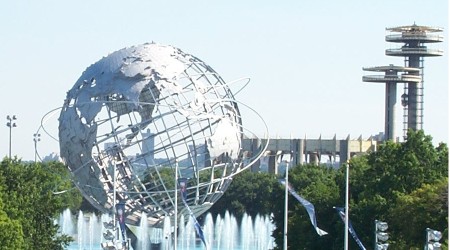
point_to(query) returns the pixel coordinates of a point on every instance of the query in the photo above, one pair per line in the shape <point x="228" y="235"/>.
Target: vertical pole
<point x="35" y="150"/>
<point x="346" y="205"/>
<point x="176" y="207"/>
<point x="10" y="124"/>
<point x="114" y="204"/>
<point x="10" y="129"/>
<point x="376" y="237"/>
<point x="286" y="208"/>
<point x="37" y="137"/>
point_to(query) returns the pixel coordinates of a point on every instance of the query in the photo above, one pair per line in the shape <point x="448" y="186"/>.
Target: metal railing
<point x="384" y="78"/>
<point x="415" y="36"/>
<point x="415" y="51"/>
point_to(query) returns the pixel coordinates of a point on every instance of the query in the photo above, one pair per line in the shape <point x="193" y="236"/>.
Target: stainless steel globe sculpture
<point x="143" y="116"/>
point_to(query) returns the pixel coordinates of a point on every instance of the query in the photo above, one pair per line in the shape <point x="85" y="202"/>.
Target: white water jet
<point x="229" y="232"/>
<point x="208" y="229"/>
<point x="86" y="232"/>
<point x="90" y="226"/>
<point x="156" y="236"/>
<point x="66" y="223"/>
<point x="271" y="227"/>
<point x="167" y="234"/>
<point x="260" y="233"/>
<point x="182" y="234"/>
<point x="223" y="233"/>
<point x="80" y="226"/>
<point x="247" y="233"/>
<point x="142" y="234"/>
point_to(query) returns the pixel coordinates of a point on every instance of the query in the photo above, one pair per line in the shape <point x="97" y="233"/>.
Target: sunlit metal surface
<point x="144" y="111"/>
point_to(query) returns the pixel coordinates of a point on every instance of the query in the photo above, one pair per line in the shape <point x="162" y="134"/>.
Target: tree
<point x="317" y="185"/>
<point x="382" y="185"/>
<point x="380" y="180"/>
<point x="250" y="193"/>
<point x="11" y="235"/>
<point x="398" y="183"/>
<point x="422" y="208"/>
<point x="27" y="190"/>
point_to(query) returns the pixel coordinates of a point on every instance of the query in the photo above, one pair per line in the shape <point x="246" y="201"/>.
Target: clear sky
<point x="304" y="58"/>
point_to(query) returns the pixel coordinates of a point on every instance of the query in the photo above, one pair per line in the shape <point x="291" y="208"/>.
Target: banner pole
<point x="286" y="208"/>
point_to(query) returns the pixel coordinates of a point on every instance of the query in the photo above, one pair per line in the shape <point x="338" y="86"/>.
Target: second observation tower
<point x="414" y="39"/>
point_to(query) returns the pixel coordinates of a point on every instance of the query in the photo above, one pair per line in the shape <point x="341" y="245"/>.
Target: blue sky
<point x="304" y="58"/>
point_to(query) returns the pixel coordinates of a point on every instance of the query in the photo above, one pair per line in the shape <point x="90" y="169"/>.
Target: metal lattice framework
<point x="141" y="113"/>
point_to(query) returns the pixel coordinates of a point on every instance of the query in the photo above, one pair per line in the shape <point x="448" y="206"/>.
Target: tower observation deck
<point x="414" y="49"/>
<point x="391" y="78"/>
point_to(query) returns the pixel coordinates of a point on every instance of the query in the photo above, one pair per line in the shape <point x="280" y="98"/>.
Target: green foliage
<point x="428" y="201"/>
<point x="11" y="235"/>
<point x="27" y="190"/>
<point x="403" y="184"/>
<point x="380" y="180"/>
<point x="248" y="192"/>
<point x="317" y="185"/>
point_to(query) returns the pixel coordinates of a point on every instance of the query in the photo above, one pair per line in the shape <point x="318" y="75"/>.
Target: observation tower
<point x="414" y="49"/>
<point x="391" y="77"/>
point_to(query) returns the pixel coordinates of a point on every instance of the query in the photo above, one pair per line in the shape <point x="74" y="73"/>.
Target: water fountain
<point x="66" y="223"/>
<point x="223" y="232"/>
<point x="87" y="231"/>
<point x="143" y="234"/>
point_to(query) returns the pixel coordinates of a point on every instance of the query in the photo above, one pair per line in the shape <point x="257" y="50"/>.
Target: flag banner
<point x="341" y="212"/>
<point x="120" y="209"/>
<point x="182" y="182"/>
<point x="308" y="206"/>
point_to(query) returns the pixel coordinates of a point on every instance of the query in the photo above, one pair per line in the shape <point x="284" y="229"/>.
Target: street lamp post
<point x="11" y="124"/>
<point x="36" y="139"/>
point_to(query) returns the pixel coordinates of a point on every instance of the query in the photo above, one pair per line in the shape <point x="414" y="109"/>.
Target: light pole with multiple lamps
<point x="36" y="139"/>
<point x="11" y="124"/>
<point x="381" y="236"/>
<point x="432" y="239"/>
